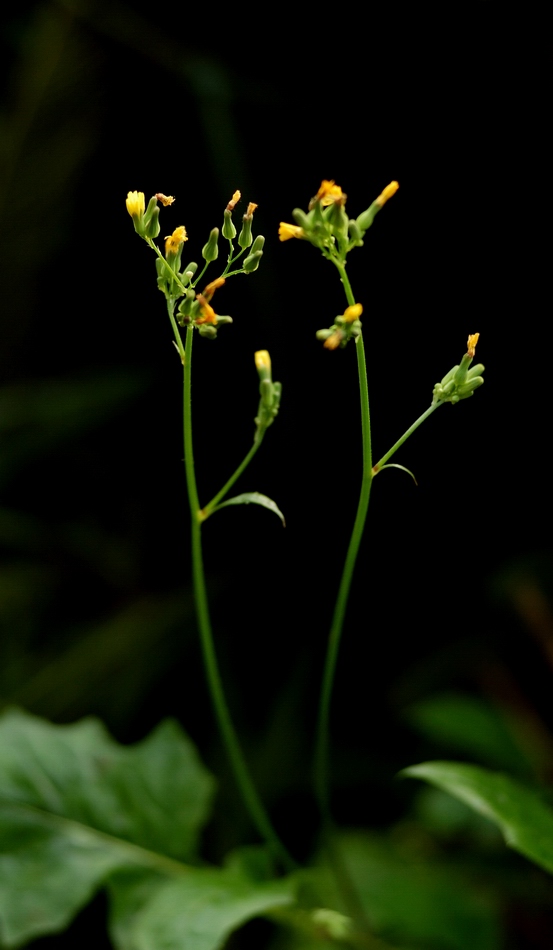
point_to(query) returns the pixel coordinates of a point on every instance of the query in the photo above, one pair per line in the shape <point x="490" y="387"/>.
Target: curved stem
<point x="322" y="741"/>
<point x="249" y="794"/>
<point x="406" y="435"/>
<point x="207" y="509"/>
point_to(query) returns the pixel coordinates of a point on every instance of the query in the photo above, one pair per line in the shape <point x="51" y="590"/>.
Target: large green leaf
<point x="75" y="805"/>
<point x="197" y="911"/>
<point x="524" y="819"/>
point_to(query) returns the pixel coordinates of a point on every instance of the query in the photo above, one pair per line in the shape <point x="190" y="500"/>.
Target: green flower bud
<point x="258" y="244"/>
<point x="301" y="218"/>
<point x="208" y="331"/>
<point x="245" y="236"/>
<point x="151" y="226"/>
<point x="355" y="233"/>
<point x="189" y="272"/>
<point x="367" y="217"/>
<point x="210" y="251"/>
<point x="229" y="231"/>
<point x="252" y="262"/>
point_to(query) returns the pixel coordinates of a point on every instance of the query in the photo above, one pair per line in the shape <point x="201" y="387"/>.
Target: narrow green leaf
<point x="75" y="805"/>
<point x="401" y="467"/>
<point x="526" y="822"/>
<point x="201" y="909"/>
<point x="253" y="498"/>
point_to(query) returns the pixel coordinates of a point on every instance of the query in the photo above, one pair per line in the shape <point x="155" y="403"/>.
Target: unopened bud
<point x="228" y="231"/>
<point x="210" y="251"/>
<point x="208" y="331"/>
<point x="251" y="262"/>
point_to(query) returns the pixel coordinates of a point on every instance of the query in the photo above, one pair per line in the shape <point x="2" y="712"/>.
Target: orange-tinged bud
<point x="389" y="192"/>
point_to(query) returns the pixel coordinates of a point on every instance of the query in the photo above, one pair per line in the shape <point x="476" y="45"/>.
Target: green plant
<point x="79" y="812"/>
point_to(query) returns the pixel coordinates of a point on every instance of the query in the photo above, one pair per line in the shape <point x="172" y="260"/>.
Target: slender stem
<point x="178" y="338"/>
<point x="167" y="265"/>
<point x="322" y="741"/>
<point x="405" y="436"/>
<point x="230" y="738"/>
<point x="207" y="509"/>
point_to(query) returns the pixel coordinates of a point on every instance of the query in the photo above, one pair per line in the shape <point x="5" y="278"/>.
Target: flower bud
<point x="228" y="231"/>
<point x="251" y="262"/>
<point x="210" y="251"/>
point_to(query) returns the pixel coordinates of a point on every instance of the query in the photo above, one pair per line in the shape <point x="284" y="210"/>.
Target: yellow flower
<point x="334" y="340"/>
<point x="353" y="313"/>
<point x="471" y="344"/>
<point x="262" y="360"/>
<point x="388" y="192"/>
<point x="329" y="193"/>
<point x="165" y="199"/>
<point x="174" y="240"/>
<point x="251" y="208"/>
<point x="287" y="231"/>
<point x="212" y="287"/>
<point x="136" y="204"/>
<point x="208" y="313"/>
<point x="234" y="201"/>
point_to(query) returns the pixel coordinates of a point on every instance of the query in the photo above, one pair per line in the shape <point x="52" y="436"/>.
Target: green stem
<point x="206" y="511"/>
<point x="322" y="741"/>
<point x="228" y="733"/>
<point x="405" y="436"/>
<point x="178" y="339"/>
<point x="167" y="265"/>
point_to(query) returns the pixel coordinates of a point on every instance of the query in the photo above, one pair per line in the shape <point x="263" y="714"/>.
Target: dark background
<point x="453" y="575"/>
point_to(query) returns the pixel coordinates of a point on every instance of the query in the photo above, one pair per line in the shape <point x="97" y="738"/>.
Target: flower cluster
<point x="178" y="283"/>
<point x="461" y="381"/>
<point x="346" y="327"/>
<point x="326" y="224"/>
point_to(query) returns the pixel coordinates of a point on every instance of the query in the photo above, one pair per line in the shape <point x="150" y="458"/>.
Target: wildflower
<point x="207" y="311"/>
<point x="353" y="313"/>
<point x="174" y="240"/>
<point x="165" y="199"/>
<point x="388" y="192"/>
<point x="333" y="341"/>
<point x="471" y="344"/>
<point x="287" y="231"/>
<point x="136" y="204"/>
<point x="251" y="208"/>
<point x="234" y="201"/>
<point x="329" y="193"/>
<point x="212" y="287"/>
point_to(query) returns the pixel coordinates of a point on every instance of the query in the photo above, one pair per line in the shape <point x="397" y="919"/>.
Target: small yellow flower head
<point x="471" y="344"/>
<point x="136" y="204"/>
<point x="212" y="287"/>
<point x="234" y="201"/>
<point x="287" y="231"/>
<point x="388" y="193"/>
<point x="174" y="240"/>
<point x="262" y="360"/>
<point x="353" y="313"/>
<point x="208" y="313"/>
<point x="333" y="341"/>
<point x="165" y="199"/>
<point x="329" y="193"/>
<point x="251" y="208"/>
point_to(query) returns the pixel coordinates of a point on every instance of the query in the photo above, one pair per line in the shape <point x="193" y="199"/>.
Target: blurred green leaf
<point x="75" y="805"/>
<point x="525" y="821"/>
<point x="197" y="911"/>
<point x="467" y="724"/>
<point x="415" y="900"/>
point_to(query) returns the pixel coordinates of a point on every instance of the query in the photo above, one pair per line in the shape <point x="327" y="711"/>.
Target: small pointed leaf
<point x="395" y="465"/>
<point x="253" y="498"/>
